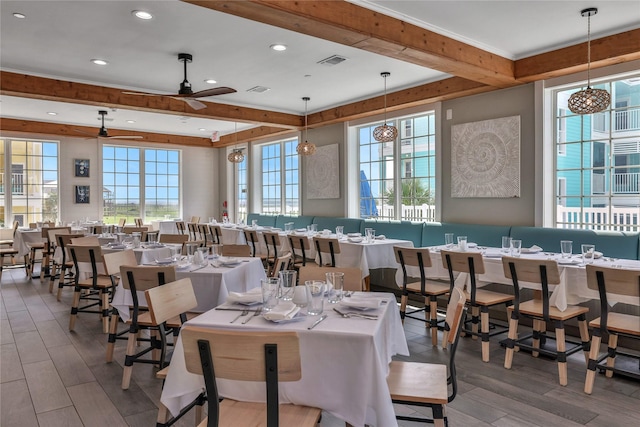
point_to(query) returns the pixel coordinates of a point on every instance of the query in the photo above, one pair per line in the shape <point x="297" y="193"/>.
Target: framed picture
<point x="82" y="167"/>
<point x="82" y="194"/>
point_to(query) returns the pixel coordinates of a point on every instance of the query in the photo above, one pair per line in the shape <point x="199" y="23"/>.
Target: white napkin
<point x="252" y="296"/>
<point x="116" y="246"/>
<point x="285" y="310"/>
<point x="381" y="237"/>
<point x="362" y="303"/>
<point x="354" y="234"/>
<point x="355" y="239"/>
<point x="596" y="255"/>
<point x="532" y="250"/>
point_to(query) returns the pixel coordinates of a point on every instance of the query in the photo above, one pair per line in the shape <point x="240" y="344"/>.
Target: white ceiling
<point x="59" y="38"/>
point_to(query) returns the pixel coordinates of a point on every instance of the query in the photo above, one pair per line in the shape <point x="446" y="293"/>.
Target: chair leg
<point x="539" y="326"/>
<point x="427" y="313"/>
<point x="484" y="327"/>
<point x="611" y="360"/>
<point x="60" y="283"/>
<point x="562" y="356"/>
<point x="74" y="308"/>
<point x="403" y="307"/>
<point x="438" y="415"/>
<point x="511" y="340"/>
<point x="433" y="308"/>
<point x="128" y="361"/>
<point x="591" y="364"/>
<point x="475" y="319"/>
<point x="104" y="309"/>
<point x="113" y="332"/>
<point x="584" y="336"/>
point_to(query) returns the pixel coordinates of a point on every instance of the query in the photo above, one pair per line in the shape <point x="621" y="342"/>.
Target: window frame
<point x="287" y="190"/>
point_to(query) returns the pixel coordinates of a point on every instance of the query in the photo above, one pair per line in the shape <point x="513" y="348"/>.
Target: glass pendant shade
<point x="236" y="156"/>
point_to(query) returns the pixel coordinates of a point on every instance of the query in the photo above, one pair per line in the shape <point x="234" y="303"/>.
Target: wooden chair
<point x="121" y="223"/>
<point x="193" y="230"/>
<point x="9" y="242"/>
<point x="112" y="263"/>
<point x="327" y="246"/>
<point x="11" y="252"/>
<point x="203" y="234"/>
<point x="618" y="281"/>
<point x="51" y="266"/>
<point x="44" y="248"/>
<point x="252" y="239"/>
<point x="180" y="227"/>
<point x="478" y="299"/>
<point x="88" y="261"/>
<point x="272" y="243"/>
<point x="6" y="245"/>
<point x="299" y="247"/>
<point x="142" y="230"/>
<point x="173" y="238"/>
<point x="420" y="258"/>
<point x="352" y="276"/>
<point x="268" y="357"/>
<point x="64" y="274"/>
<point x="81" y="240"/>
<point x="195" y="219"/>
<point x="282" y="263"/>
<point x="427" y="384"/>
<point x="236" y="250"/>
<point x="138" y="279"/>
<point x="216" y="234"/>
<point x="544" y="272"/>
<point x="138" y="222"/>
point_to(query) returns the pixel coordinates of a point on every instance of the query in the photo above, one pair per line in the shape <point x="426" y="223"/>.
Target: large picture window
<point x="28" y="181"/>
<point x="280" y="178"/>
<point x="597" y="162"/>
<point x="397" y="179"/>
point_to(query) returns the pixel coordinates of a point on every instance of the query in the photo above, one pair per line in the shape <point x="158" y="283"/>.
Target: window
<point x="597" y="165"/>
<point x="280" y="178"/>
<point x="125" y="173"/>
<point x="241" y="191"/>
<point x="29" y="192"/>
<point x="408" y="166"/>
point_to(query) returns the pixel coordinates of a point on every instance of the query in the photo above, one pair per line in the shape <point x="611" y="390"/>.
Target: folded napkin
<point x="532" y="250"/>
<point x="362" y="303"/>
<point x="354" y="234"/>
<point x="380" y="237"/>
<point x="116" y="246"/>
<point x="301" y="230"/>
<point x="285" y="310"/>
<point x="250" y="297"/>
<point x="595" y="254"/>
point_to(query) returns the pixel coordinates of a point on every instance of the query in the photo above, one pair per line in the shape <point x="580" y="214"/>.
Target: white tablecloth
<point x="167" y="226"/>
<point x="211" y="285"/>
<point x="345" y="363"/>
<point x="24" y="238"/>
<point x="369" y="256"/>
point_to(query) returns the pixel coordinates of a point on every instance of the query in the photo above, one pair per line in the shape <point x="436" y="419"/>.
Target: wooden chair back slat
<point x="454" y="312"/>
<point x="460" y="261"/>
<point x="195" y="219"/>
<point x="528" y="270"/>
<point x="173" y="238"/>
<point x="410" y="256"/>
<point x="617" y="281"/>
<point x="352" y="276"/>
<point x="236" y="250"/>
<point x="83" y="252"/>
<point x="146" y="277"/>
<point x="282" y="263"/>
<point x="113" y="261"/>
<point x="85" y="241"/>
<point x="170" y="300"/>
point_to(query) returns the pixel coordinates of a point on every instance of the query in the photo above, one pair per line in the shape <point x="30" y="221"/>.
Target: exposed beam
<point x="26" y="86"/>
<point x="605" y="51"/>
<point x="250" y="135"/>
<point x="33" y="127"/>
<point x="361" y="28"/>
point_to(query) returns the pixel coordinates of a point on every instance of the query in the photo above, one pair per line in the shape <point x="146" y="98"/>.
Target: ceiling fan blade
<point x="212" y="92"/>
<point x="84" y="133"/>
<point x="193" y="103"/>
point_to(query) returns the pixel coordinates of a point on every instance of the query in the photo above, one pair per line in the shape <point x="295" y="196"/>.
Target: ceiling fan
<point x="102" y="133"/>
<point x="185" y="93"/>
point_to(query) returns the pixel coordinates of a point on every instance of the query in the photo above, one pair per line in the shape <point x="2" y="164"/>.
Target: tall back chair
<point x="414" y="261"/>
<point x="139" y="279"/>
<point x="142" y="230"/>
<point x="192" y="227"/>
<point x="299" y="249"/>
<point x="173" y="238"/>
<point x="282" y="263"/>
<point x="268" y="357"/>
<point x="49" y="265"/>
<point x="251" y="237"/>
<point x="544" y="272"/>
<point x="180" y="227"/>
<point x="615" y="281"/>
<point x="272" y="243"/>
<point x="236" y="250"/>
<point x="138" y="222"/>
<point x="63" y="277"/>
<point x="352" y="276"/>
<point x="427" y="384"/>
<point x="216" y="234"/>
<point x="479" y="300"/>
<point x="195" y="219"/>
<point x="203" y="234"/>
<point x="90" y="275"/>
<point x="327" y="246"/>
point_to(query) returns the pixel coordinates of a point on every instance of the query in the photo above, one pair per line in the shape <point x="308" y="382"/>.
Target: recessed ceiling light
<point x="278" y="47"/>
<point x="52" y="113"/>
<point x="99" y="61"/>
<point x="19" y="15"/>
<point x="141" y="14"/>
<point x="202" y="129"/>
<point x="131" y="121"/>
<point x="210" y="81"/>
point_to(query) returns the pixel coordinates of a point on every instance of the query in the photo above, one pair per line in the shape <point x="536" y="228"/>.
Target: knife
<point x="235" y="309"/>
<point x="324" y="316"/>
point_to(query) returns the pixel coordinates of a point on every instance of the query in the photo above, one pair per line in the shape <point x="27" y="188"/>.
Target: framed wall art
<point x="81" y="168"/>
<point x="82" y="193"/>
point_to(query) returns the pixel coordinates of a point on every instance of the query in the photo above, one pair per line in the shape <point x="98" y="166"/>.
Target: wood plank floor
<point x="52" y="377"/>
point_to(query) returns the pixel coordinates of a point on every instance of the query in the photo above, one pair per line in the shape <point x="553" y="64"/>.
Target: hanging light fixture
<point x="589" y="101"/>
<point x="236" y="155"/>
<point x="306" y="148"/>
<point x="385" y="133"/>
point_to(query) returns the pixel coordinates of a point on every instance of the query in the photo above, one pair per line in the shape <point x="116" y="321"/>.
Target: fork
<point x="363" y="316"/>
<point x="244" y="313"/>
<point x="258" y="312"/>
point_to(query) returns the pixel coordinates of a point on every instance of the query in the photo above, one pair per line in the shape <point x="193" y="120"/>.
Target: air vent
<point x="332" y="60"/>
<point x="259" y="89"/>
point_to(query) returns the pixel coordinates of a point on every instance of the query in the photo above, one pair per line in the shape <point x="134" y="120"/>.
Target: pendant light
<point x="236" y="155"/>
<point x="385" y="133"/>
<point x="306" y="148"/>
<point x="589" y="101"/>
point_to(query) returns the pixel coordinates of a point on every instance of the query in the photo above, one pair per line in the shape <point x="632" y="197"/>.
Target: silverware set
<point x="348" y="315"/>
<point x="255" y="314"/>
<point x="244" y="313"/>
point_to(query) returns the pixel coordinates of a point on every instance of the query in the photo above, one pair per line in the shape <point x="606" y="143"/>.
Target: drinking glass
<point x="192" y="248"/>
<point x="287" y="284"/>
<point x="566" y="248"/>
<point x="315" y="297"/>
<point x="175" y="252"/>
<point x="288" y="227"/>
<point x="462" y="243"/>
<point x="588" y="253"/>
<point x="152" y="237"/>
<point x="300" y="295"/>
<point x="254" y="223"/>
<point x="136" y="239"/>
<point x="369" y="234"/>
<point x="448" y="240"/>
<point x="339" y="231"/>
<point x="516" y="247"/>
<point x="335" y="286"/>
<point x="506" y="244"/>
<point x="215" y="251"/>
<point x="270" y="290"/>
<point x="203" y="256"/>
<point x="212" y="220"/>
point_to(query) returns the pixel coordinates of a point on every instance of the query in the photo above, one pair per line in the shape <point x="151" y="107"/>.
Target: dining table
<point x="345" y="362"/>
<point x="211" y="284"/>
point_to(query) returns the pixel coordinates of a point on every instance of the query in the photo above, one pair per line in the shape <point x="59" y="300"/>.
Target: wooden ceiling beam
<point x="358" y="27"/>
<point x="26" y="86"/>
<point x="605" y="51"/>
<point x="71" y="131"/>
<point x="250" y="135"/>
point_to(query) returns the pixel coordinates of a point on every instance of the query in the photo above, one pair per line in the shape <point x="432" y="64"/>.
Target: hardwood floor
<point x="52" y="377"/>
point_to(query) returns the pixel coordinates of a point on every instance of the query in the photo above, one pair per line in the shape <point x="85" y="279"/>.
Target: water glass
<point x="516" y="247"/>
<point x="287" y="284"/>
<point x="369" y="234"/>
<point x="300" y="296"/>
<point x="192" y="248"/>
<point x="288" y="227"/>
<point x="270" y="290"/>
<point x="203" y="256"/>
<point x="588" y="253"/>
<point x="448" y="240"/>
<point x="216" y="250"/>
<point x="254" y="223"/>
<point x="152" y="237"/>
<point x="315" y="297"/>
<point x="339" y="231"/>
<point x="212" y="220"/>
<point x="335" y="286"/>
<point x="136" y="239"/>
<point x="175" y="252"/>
<point x="462" y="243"/>
<point x="566" y="248"/>
<point x="506" y="244"/>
